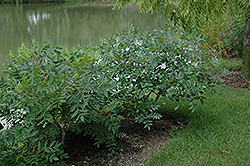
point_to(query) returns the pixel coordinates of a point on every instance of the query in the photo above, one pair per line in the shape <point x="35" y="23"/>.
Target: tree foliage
<point x="189" y="13"/>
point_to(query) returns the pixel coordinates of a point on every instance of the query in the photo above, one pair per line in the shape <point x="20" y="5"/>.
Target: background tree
<point x="246" y="48"/>
<point x="192" y="15"/>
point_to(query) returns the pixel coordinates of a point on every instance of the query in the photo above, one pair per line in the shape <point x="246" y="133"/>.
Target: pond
<point x="65" y="24"/>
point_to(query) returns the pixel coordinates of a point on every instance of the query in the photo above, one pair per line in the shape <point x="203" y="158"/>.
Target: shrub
<point x="21" y="146"/>
<point x="58" y="89"/>
<point x="47" y="90"/>
<point x="142" y="64"/>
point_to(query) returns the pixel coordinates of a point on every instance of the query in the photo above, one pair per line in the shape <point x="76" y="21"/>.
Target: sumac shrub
<point x="143" y="65"/>
<point x="56" y="89"/>
<point x="47" y="90"/>
<point x="20" y="145"/>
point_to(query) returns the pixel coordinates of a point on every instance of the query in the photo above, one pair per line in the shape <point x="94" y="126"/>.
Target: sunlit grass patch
<point x="218" y="133"/>
<point x="232" y="64"/>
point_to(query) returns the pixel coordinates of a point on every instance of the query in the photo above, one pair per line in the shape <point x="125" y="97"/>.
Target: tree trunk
<point x="245" y="72"/>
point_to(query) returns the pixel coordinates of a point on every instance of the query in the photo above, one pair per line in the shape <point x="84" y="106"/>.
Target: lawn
<point x="217" y="133"/>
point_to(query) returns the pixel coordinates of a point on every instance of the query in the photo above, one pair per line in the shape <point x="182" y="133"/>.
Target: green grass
<point x="218" y="64"/>
<point x="232" y="64"/>
<point x="222" y="123"/>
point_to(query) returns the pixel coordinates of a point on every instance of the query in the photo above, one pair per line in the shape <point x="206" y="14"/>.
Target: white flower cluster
<point x="138" y="42"/>
<point x="162" y="66"/>
<point x="7" y="124"/>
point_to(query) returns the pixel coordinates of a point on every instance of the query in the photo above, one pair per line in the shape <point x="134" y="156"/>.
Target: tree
<point x="192" y="14"/>
<point x="246" y="48"/>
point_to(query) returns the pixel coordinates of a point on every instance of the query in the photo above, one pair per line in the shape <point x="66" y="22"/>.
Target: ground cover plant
<point x="48" y="90"/>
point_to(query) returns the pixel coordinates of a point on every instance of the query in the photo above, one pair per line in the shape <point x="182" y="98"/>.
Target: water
<point x="66" y="25"/>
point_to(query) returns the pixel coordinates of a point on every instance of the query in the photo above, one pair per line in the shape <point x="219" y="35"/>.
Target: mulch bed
<point x="139" y="143"/>
<point x="234" y="79"/>
<point x="132" y="150"/>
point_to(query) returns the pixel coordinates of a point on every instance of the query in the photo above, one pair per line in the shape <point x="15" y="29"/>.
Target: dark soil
<point x="139" y="143"/>
<point x="234" y="79"/>
<point x="132" y="150"/>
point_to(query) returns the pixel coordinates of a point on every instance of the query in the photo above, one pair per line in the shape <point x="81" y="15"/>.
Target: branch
<point x="61" y="126"/>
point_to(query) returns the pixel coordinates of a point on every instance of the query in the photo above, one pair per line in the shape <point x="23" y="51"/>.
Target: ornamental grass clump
<point x="89" y="90"/>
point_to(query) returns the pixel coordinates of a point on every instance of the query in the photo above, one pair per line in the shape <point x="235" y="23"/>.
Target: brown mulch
<point x="234" y="79"/>
<point x="132" y="150"/>
<point x="139" y="143"/>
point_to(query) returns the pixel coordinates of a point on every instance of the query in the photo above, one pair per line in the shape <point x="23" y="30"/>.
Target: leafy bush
<point x="21" y="146"/>
<point x="142" y="64"/>
<point x="48" y="90"/>
<point x="58" y="89"/>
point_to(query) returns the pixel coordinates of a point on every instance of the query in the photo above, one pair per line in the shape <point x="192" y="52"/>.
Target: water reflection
<point x="67" y="25"/>
<point x="34" y="18"/>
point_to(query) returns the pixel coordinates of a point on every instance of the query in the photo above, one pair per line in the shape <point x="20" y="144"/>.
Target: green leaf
<point x="18" y="157"/>
<point x="74" y="114"/>
<point x="55" y="158"/>
<point x="82" y="119"/>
